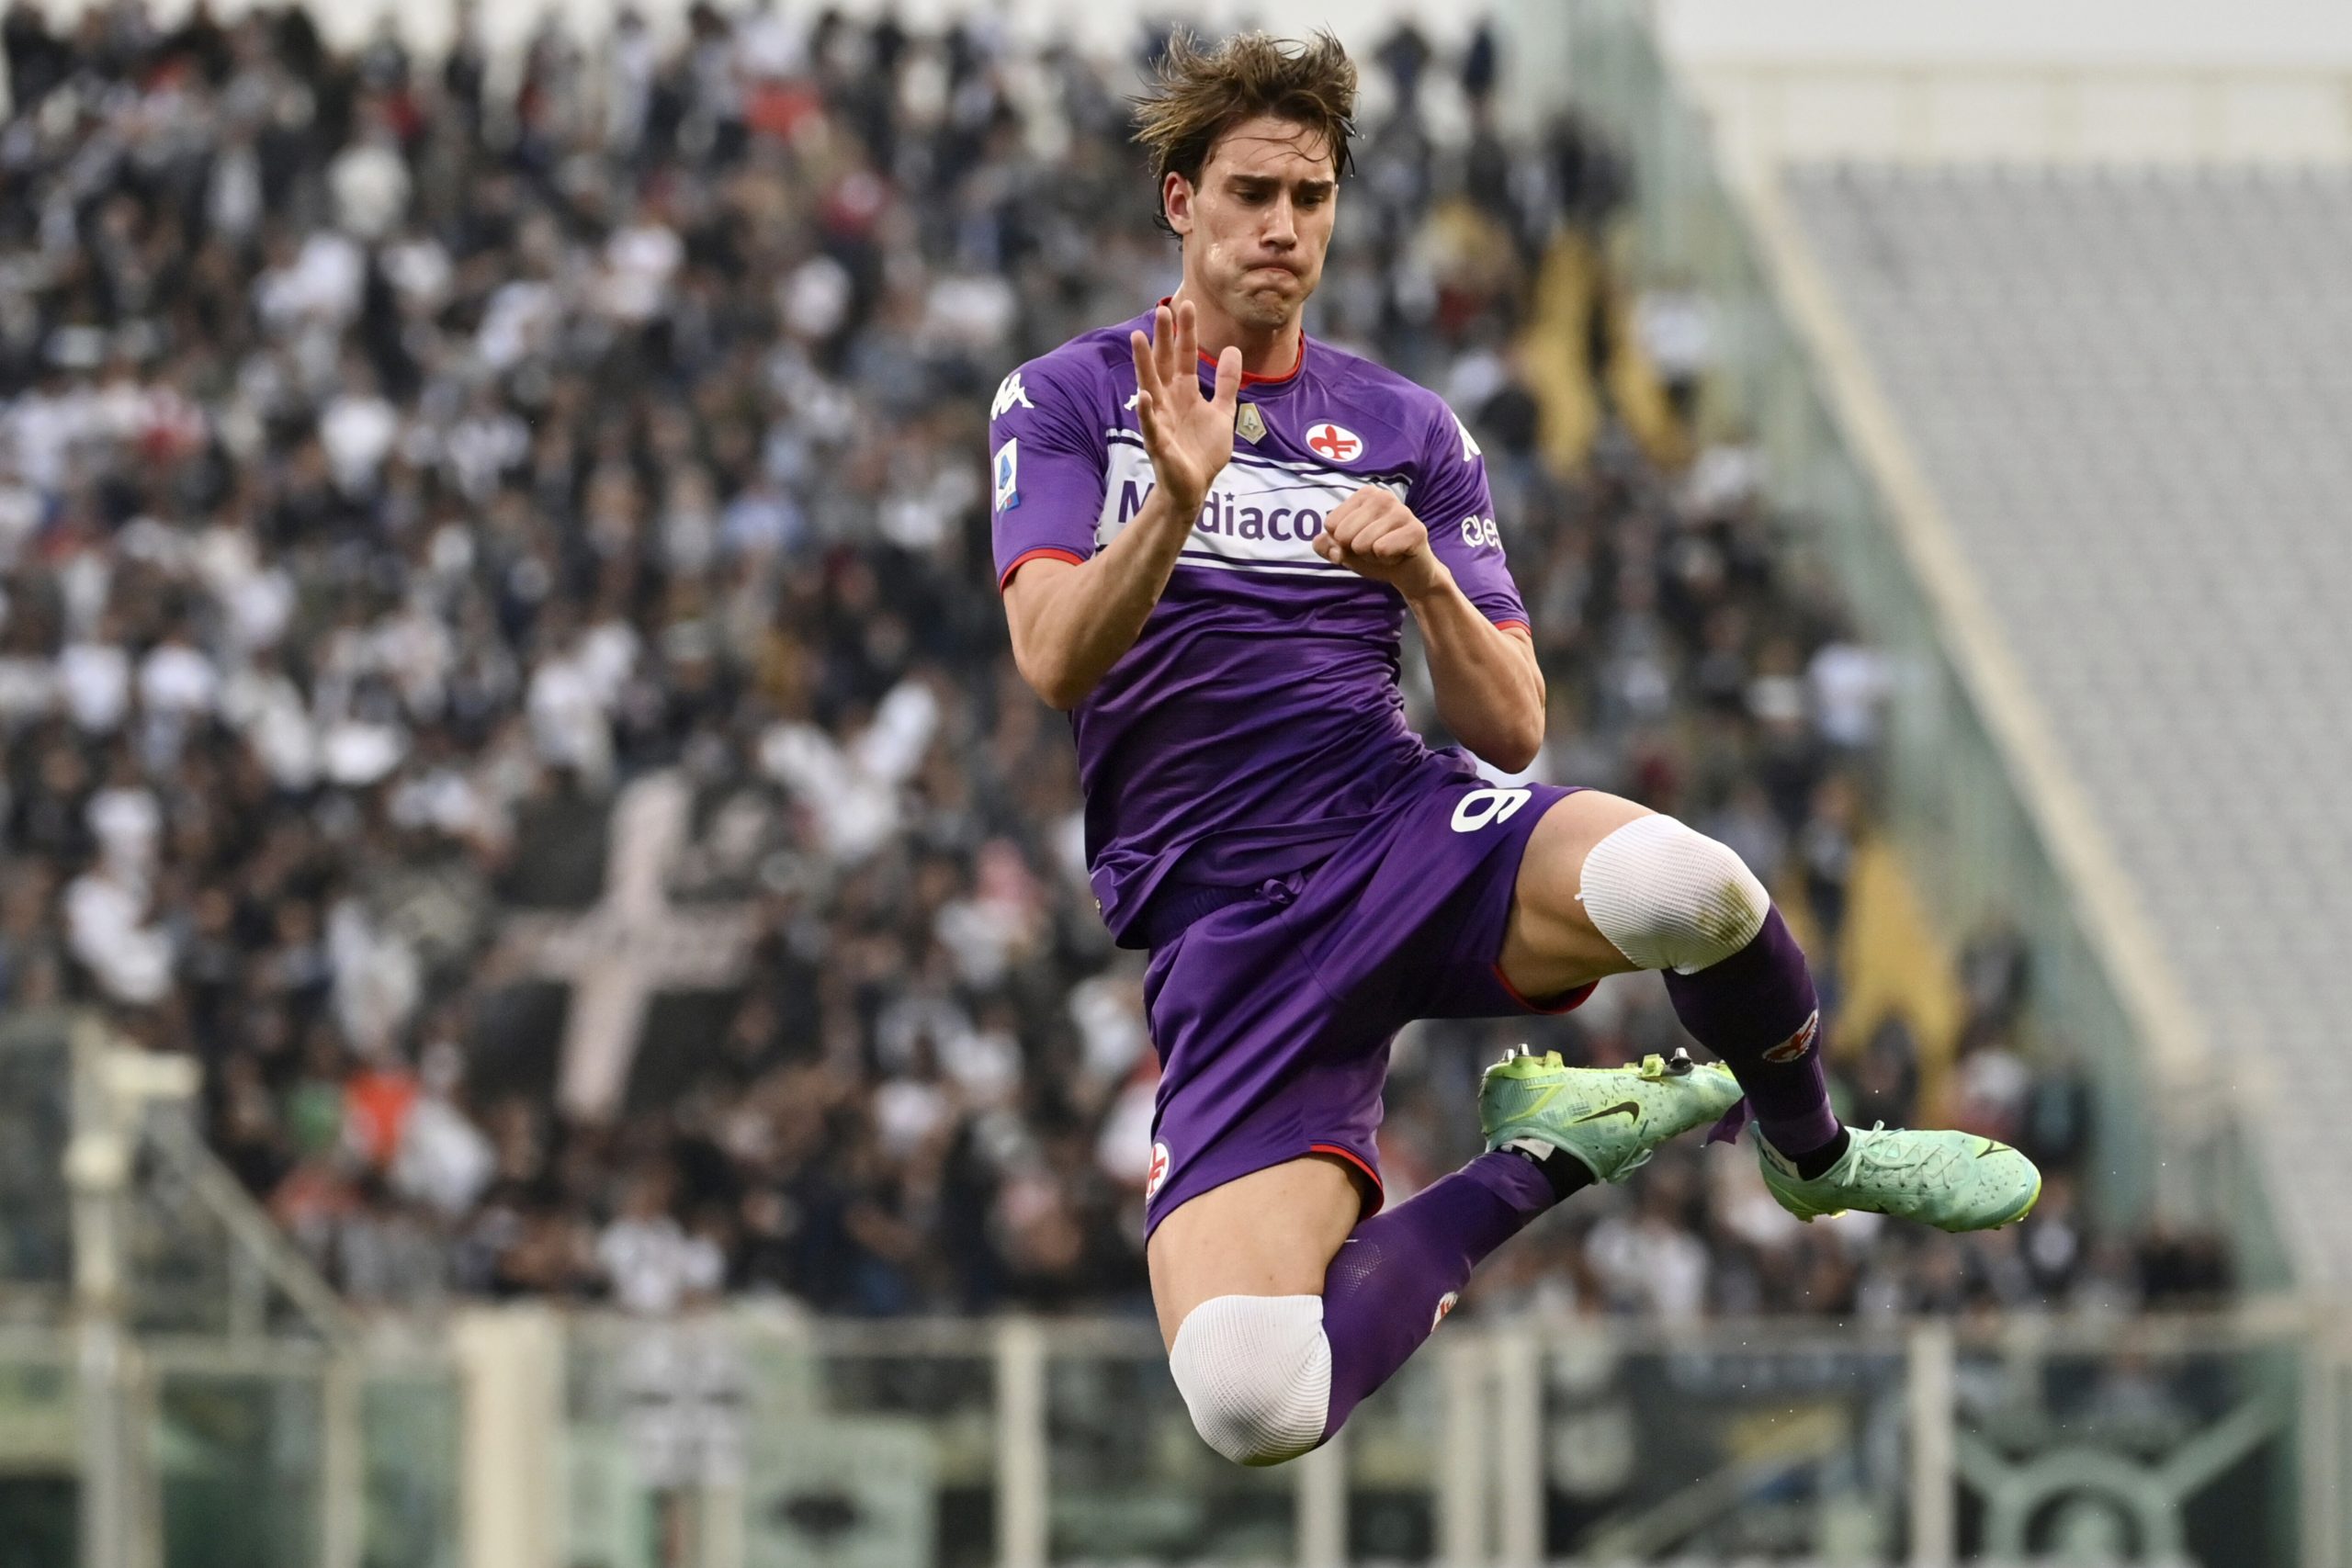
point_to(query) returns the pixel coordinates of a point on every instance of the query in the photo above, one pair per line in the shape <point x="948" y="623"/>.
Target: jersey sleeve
<point x="1047" y="460"/>
<point x="1454" y="504"/>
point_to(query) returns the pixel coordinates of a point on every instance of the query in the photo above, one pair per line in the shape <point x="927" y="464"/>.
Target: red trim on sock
<point x="1025" y="557"/>
<point x="1567" y="1001"/>
<point x="1379" y="1188"/>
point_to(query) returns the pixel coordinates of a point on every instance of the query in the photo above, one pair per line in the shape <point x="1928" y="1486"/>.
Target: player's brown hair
<point x="1198" y="95"/>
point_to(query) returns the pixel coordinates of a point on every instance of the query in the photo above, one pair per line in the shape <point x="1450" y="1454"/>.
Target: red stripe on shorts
<point x="1567" y="1001"/>
<point x="1370" y="1175"/>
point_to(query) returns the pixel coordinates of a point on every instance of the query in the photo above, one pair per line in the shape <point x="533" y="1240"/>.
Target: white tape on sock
<point x="1255" y="1373"/>
<point x="1671" y="899"/>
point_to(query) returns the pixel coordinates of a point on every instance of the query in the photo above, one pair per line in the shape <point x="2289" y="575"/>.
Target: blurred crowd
<point x="400" y="457"/>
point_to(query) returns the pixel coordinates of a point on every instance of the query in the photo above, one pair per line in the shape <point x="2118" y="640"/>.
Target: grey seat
<point x="2131" y="390"/>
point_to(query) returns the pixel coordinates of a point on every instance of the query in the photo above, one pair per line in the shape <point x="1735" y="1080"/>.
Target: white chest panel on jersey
<point x="1262" y="515"/>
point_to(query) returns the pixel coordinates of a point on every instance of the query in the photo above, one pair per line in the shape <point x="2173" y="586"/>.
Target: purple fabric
<point x="1273" y="1014"/>
<point x="1394" y="1278"/>
<point x="1256" y="723"/>
<point x="1757" y="1010"/>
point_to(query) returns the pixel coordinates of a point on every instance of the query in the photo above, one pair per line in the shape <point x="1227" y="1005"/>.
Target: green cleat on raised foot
<point x="1609" y="1118"/>
<point x="1954" y="1181"/>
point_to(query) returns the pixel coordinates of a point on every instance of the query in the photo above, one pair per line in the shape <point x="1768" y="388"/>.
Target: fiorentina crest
<point x="1797" y="1045"/>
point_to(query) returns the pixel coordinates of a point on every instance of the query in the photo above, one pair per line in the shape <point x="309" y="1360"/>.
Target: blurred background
<point x="549" y="1012"/>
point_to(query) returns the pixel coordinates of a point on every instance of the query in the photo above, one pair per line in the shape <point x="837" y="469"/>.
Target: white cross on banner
<point x="632" y="943"/>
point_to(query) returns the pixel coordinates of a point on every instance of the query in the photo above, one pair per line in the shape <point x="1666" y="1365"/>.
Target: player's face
<point x="1256" y="227"/>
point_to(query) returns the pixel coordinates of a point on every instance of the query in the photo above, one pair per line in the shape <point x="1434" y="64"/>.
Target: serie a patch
<point x="1008" y="475"/>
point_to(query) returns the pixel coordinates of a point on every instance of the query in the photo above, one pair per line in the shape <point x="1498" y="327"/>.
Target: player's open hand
<point x="1189" y="437"/>
<point x="1376" y="534"/>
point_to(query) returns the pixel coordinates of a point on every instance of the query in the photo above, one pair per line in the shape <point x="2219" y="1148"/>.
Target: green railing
<point x="214" y="1453"/>
<point x="1951" y="797"/>
<point x="748" y="1439"/>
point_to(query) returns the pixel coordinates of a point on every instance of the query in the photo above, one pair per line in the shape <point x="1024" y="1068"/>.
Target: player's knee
<point x="1670" y="898"/>
<point x="1255" y="1373"/>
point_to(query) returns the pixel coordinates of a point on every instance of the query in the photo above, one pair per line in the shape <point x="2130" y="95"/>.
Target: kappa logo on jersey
<point x="1469" y="442"/>
<point x="1010" y="395"/>
<point x="1336" y="442"/>
<point x="1008" y="475"/>
<point x="1480" y="534"/>
<point x="1444" y="1304"/>
<point x="1482" y="807"/>
<point x="1159" y="1173"/>
<point x="1797" y="1045"/>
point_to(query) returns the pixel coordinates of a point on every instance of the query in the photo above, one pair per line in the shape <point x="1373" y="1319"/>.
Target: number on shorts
<point x="1482" y="806"/>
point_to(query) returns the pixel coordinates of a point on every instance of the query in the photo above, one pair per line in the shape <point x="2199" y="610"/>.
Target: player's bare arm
<point x="1071" y="622"/>
<point x="1489" y="688"/>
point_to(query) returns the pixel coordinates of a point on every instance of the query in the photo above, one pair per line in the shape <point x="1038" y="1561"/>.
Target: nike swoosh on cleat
<point x="1628" y="1107"/>
<point x="1991" y="1148"/>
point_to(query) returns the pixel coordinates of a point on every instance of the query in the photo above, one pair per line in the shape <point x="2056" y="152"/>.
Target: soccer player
<point x="1209" y="530"/>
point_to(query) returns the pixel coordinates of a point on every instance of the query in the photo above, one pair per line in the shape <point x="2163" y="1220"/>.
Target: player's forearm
<point x="1489" y="690"/>
<point x="1085" y="618"/>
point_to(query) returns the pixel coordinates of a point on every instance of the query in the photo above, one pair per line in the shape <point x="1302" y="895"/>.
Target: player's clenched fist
<point x="1376" y="534"/>
<point x="1188" y="436"/>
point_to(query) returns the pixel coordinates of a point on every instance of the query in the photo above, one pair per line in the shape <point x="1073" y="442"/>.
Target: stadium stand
<point x="499" y="663"/>
<point x="2126" y="387"/>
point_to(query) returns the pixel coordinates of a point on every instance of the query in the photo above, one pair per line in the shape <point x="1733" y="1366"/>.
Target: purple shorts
<point x="1273" y="1014"/>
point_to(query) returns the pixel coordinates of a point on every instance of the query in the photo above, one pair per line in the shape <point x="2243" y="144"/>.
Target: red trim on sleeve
<point x="1025" y="557"/>
<point x="1522" y="626"/>
<point x="1567" y="1001"/>
<point x="1379" y="1188"/>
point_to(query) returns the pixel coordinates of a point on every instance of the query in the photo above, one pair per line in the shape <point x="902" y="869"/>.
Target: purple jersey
<point x="1257" y="721"/>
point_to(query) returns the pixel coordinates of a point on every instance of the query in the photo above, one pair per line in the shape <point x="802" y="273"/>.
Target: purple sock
<point x="1757" y="1011"/>
<point x="1397" y="1277"/>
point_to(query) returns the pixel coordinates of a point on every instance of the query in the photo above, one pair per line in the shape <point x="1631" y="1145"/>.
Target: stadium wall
<point x="2172" y="82"/>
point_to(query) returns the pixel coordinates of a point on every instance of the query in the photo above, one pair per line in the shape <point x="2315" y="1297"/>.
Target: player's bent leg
<point x="1551" y="945"/>
<point x="1270" y="1233"/>
<point x="1663" y="896"/>
<point x="1237" y="1278"/>
<point x="1667" y="897"/>
<point x="1278" y="1323"/>
<point x="1283" y="1320"/>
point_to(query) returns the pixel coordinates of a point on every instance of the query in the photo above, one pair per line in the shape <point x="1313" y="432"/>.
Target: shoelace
<point x="1908" y="1173"/>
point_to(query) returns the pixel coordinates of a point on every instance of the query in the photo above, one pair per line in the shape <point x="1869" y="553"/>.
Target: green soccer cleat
<point x="1609" y="1118"/>
<point x="1954" y="1181"/>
